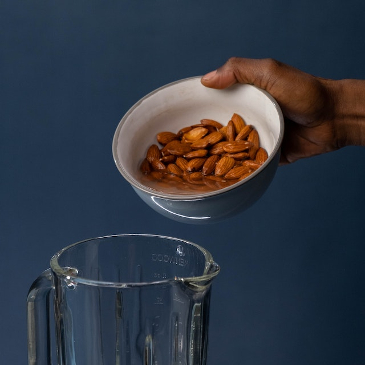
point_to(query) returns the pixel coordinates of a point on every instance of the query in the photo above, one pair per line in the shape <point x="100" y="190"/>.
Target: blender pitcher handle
<point x="38" y="320"/>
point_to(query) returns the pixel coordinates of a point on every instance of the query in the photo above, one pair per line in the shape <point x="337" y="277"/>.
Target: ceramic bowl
<point x="184" y="103"/>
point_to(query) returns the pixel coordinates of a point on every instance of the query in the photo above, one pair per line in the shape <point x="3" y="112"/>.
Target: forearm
<point x="349" y="113"/>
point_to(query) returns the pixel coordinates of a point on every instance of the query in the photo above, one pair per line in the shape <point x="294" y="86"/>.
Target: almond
<point x="145" y="166"/>
<point x="238" y="122"/>
<point x="174" y="169"/>
<point x="253" y="137"/>
<point x="165" y="137"/>
<point x="251" y="164"/>
<point x="177" y="148"/>
<point x="223" y="166"/>
<point x="203" y="157"/>
<point x="157" y="175"/>
<point x="238" y="156"/>
<point x="245" y="131"/>
<point x="182" y="163"/>
<point x="223" y="130"/>
<point x="195" y="134"/>
<point x="195" y="164"/>
<point x="196" y="176"/>
<point x="261" y="156"/>
<point x="237" y="146"/>
<point x="245" y="175"/>
<point x="153" y="153"/>
<point x="214" y="138"/>
<point x="168" y="159"/>
<point x="184" y="130"/>
<point x="236" y="172"/>
<point x="196" y="153"/>
<point x="212" y="123"/>
<point x="210" y="128"/>
<point x="217" y="149"/>
<point x="158" y="165"/>
<point x="200" y="143"/>
<point x="187" y="178"/>
<point x="209" y="164"/>
<point x="231" y="132"/>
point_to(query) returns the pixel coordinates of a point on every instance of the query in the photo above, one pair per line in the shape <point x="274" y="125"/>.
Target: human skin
<point x="321" y="115"/>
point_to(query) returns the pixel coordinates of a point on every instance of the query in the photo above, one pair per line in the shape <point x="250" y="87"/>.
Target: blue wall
<point x="291" y="288"/>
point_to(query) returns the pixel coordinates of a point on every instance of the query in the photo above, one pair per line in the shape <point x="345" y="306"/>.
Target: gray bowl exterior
<point x="217" y="207"/>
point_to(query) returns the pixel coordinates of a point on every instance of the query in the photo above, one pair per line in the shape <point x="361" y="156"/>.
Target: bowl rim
<point x="195" y="196"/>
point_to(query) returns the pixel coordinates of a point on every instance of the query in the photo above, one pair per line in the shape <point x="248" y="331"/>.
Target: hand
<point x="309" y="103"/>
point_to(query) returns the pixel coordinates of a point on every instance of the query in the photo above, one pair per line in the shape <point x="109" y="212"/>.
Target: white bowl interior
<point x="185" y="103"/>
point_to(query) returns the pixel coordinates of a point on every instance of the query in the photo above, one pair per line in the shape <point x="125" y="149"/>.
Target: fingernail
<point x="209" y="75"/>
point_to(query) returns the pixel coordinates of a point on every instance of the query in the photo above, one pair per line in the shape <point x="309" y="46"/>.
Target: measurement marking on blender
<point x="159" y="257"/>
<point x="157" y="275"/>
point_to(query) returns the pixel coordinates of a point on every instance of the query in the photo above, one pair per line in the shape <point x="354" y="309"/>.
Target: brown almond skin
<point x="200" y="143"/>
<point x="253" y="137"/>
<point x="238" y="122"/>
<point x="217" y="149"/>
<point x="157" y="165"/>
<point x="212" y="123"/>
<point x="236" y="172"/>
<point x="245" y="175"/>
<point x="211" y="129"/>
<point x="177" y="148"/>
<point x="196" y="164"/>
<point x="239" y="156"/>
<point x="251" y="164"/>
<point x="165" y="137"/>
<point x="245" y="131"/>
<point x="187" y="178"/>
<point x="174" y="169"/>
<point x="145" y="166"/>
<point x="195" y="134"/>
<point x="182" y="163"/>
<point x="214" y="138"/>
<point x="223" y="130"/>
<point x="209" y="164"/>
<point x="261" y="156"/>
<point x="196" y="153"/>
<point x="153" y="153"/>
<point x="224" y="165"/>
<point x="157" y="175"/>
<point x="184" y="130"/>
<point x="168" y="159"/>
<point x="231" y="131"/>
<point x="204" y="157"/>
<point x="196" y="176"/>
<point x="237" y="146"/>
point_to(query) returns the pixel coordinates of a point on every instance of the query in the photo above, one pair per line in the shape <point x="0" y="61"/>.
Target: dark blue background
<point x="291" y="288"/>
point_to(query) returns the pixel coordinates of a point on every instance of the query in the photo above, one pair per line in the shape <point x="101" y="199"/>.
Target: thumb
<point x="242" y="70"/>
<point x="219" y="79"/>
<point x="245" y="71"/>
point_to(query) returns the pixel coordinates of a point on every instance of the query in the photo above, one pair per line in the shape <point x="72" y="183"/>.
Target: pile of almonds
<point x="205" y="157"/>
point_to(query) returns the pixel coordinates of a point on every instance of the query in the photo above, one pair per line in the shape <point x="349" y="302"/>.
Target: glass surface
<point x="127" y="299"/>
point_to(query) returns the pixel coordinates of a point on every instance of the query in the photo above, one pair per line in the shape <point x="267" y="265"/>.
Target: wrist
<point x="349" y="111"/>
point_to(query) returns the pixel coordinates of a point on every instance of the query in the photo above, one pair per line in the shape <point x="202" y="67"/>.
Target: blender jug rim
<point x="70" y="275"/>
